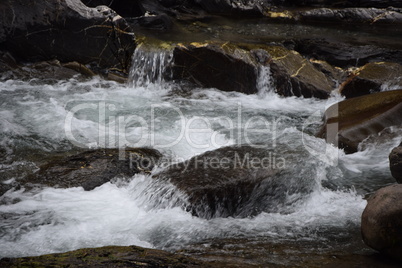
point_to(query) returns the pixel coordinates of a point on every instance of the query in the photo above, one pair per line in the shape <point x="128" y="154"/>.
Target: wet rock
<point x="341" y="3"/>
<point x="345" y="55"/>
<point x="372" y="77"/>
<point x="91" y="169"/>
<point x="231" y="67"/>
<point x="236" y="182"/>
<point x="47" y="71"/>
<point x="382" y="221"/>
<point x="224" y="67"/>
<point x="112" y="256"/>
<point x="234" y="8"/>
<point x="349" y="122"/>
<point x="294" y="75"/>
<point x="395" y="163"/>
<point x="352" y="15"/>
<point x="65" y="30"/>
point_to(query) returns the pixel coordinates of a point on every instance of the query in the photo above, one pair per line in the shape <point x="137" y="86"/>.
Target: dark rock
<point x="225" y="67"/>
<point x="125" y="8"/>
<point x="235" y="181"/>
<point x="343" y="54"/>
<point x="91" y="169"/>
<point x="243" y="8"/>
<point x="155" y="22"/>
<point x="112" y="256"/>
<point x="294" y="75"/>
<point x="382" y="221"/>
<point x="340" y="3"/>
<point x="349" y="122"/>
<point x="395" y="163"/>
<point x="371" y="78"/>
<point x="47" y="71"/>
<point x="231" y="67"/>
<point x="65" y="30"/>
<point x="352" y="15"/>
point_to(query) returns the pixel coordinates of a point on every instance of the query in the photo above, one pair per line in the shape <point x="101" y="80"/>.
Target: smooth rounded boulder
<point x="381" y="225"/>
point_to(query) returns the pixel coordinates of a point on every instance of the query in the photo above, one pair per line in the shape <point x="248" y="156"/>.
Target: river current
<point x="39" y="120"/>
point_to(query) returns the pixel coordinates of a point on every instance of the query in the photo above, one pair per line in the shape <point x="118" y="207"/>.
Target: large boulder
<point x="66" y="30"/>
<point x="236" y="67"/>
<point x="349" y="122"/>
<point x="236" y="181"/>
<point x="112" y="256"/>
<point x="395" y="163"/>
<point x="382" y="221"/>
<point x="93" y="168"/>
<point x="372" y="77"/>
<point x="223" y="66"/>
<point x="125" y="8"/>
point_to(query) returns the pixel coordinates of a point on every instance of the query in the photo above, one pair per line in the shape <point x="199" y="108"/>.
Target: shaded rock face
<point x="65" y="30"/>
<point x="125" y="8"/>
<point x="208" y="65"/>
<point x="345" y="55"/>
<point x="382" y="221"/>
<point x="347" y="3"/>
<point x="230" y="67"/>
<point x="371" y="78"/>
<point x="395" y="163"/>
<point x="112" y="256"/>
<point x="234" y="181"/>
<point x="349" y="122"/>
<point x="93" y="168"/>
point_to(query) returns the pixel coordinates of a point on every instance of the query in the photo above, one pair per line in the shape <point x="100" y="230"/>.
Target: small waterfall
<point x="150" y="66"/>
<point x="264" y="80"/>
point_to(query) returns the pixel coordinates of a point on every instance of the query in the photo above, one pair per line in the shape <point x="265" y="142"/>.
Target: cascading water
<point x="148" y="213"/>
<point x="149" y="65"/>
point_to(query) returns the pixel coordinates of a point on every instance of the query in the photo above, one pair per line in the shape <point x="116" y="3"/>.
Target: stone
<point x="222" y="66"/>
<point x="236" y="67"/>
<point x="91" y="169"/>
<point x="376" y="16"/>
<point x="381" y="224"/>
<point x="349" y="122"/>
<point x="66" y="30"/>
<point x="395" y="163"/>
<point x="344" y="55"/>
<point x="111" y="256"/>
<point x="235" y="181"/>
<point x="372" y="77"/>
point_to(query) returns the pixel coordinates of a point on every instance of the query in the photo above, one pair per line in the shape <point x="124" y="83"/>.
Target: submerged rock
<point x="395" y="163"/>
<point x="231" y="67"/>
<point x="66" y="30"/>
<point x="91" y="169"/>
<point x="382" y="221"/>
<point x="236" y="182"/>
<point x="112" y="256"/>
<point x="349" y="122"/>
<point x="372" y="77"/>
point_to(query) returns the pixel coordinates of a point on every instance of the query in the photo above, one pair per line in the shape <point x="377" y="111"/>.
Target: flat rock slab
<point x="112" y="256"/>
<point x="349" y="122"/>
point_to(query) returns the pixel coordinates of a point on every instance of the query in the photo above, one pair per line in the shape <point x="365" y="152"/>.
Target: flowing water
<point x="40" y="120"/>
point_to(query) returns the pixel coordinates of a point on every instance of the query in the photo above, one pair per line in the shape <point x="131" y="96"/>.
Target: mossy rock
<point x="371" y="78"/>
<point x="349" y="122"/>
<point x="236" y="67"/>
